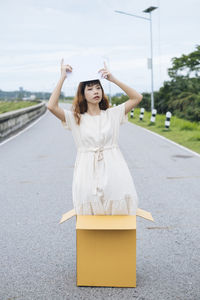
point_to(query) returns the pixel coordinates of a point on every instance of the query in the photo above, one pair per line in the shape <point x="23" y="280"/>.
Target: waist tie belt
<point x="98" y="155"/>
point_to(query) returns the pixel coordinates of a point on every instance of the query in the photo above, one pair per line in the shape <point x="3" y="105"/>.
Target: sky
<point x="36" y="34"/>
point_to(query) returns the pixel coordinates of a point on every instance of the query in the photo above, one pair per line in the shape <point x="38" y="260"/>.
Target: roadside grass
<point x="183" y="132"/>
<point x="6" y="106"/>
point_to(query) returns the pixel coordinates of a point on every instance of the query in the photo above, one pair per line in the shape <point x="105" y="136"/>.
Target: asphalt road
<point x="38" y="255"/>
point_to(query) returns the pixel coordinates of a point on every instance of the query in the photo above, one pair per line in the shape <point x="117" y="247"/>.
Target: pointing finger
<point x="62" y="60"/>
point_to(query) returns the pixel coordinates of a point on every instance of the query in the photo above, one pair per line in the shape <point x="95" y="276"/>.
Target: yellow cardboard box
<point x="106" y="248"/>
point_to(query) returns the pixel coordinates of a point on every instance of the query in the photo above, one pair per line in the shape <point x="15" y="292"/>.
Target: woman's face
<point x="93" y="94"/>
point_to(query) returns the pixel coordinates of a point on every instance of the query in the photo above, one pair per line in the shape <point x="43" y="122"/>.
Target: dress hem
<point x="107" y="207"/>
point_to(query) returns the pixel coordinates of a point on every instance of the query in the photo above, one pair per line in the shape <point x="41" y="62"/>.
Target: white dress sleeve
<point x="119" y="113"/>
<point x="68" y="117"/>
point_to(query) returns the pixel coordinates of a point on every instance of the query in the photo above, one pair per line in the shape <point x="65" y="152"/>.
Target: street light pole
<point x="148" y="10"/>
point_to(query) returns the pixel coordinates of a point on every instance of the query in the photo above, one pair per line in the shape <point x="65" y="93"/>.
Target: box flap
<point x="68" y="215"/>
<point x="140" y="213"/>
<point x="144" y="214"/>
<point x="98" y="222"/>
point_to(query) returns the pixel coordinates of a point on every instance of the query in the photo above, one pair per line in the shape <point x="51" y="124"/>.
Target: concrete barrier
<point x="13" y="121"/>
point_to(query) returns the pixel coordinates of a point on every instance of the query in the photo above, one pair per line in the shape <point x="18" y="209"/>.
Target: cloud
<point x="35" y="35"/>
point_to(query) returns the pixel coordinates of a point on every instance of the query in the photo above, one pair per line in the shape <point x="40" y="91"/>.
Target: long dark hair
<point x="79" y="104"/>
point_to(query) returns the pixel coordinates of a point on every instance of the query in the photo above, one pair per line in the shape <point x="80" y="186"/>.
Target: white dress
<point x="102" y="182"/>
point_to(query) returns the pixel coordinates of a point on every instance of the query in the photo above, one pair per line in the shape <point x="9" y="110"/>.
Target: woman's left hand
<point x="105" y="73"/>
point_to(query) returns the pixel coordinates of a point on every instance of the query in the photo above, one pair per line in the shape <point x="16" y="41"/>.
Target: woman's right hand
<point x="65" y="69"/>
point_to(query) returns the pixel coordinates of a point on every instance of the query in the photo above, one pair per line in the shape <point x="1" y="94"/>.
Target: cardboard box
<point x="106" y="248"/>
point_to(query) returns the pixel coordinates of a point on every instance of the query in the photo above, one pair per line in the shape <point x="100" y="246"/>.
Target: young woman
<point x="102" y="183"/>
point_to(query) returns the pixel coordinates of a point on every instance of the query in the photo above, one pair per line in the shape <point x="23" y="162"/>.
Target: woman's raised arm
<point x="134" y="96"/>
<point x="52" y="105"/>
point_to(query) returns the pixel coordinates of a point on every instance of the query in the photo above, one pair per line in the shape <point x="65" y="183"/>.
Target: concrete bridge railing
<point x="13" y="121"/>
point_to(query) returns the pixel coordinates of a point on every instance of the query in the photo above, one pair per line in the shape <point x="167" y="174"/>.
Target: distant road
<point x="38" y="255"/>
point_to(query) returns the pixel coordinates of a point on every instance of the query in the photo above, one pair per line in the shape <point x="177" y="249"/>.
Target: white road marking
<point x="164" y="138"/>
